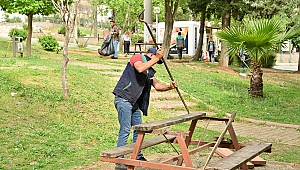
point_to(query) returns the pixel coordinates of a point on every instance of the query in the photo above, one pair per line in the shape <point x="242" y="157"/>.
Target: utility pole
<point x="148" y="19"/>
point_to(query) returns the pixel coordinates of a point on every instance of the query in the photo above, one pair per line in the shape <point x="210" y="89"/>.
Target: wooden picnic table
<point x="184" y="140"/>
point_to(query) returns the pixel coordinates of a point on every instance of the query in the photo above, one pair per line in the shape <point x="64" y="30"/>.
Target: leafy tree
<point x="257" y="37"/>
<point x="28" y="8"/>
<point x="288" y="10"/>
<point x="270" y="8"/>
<point x="228" y="10"/>
<point x="183" y="14"/>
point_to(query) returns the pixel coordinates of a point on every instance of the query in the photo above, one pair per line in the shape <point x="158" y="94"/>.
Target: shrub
<point x="48" y="42"/>
<point x="13" y="20"/>
<point x="136" y="37"/>
<point x="268" y="60"/>
<point x="25" y="27"/>
<point x="62" y="30"/>
<point x="37" y="19"/>
<point x="18" y="33"/>
<point x="80" y="33"/>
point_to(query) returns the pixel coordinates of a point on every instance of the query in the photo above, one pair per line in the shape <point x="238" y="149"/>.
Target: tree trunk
<point x="167" y="37"/>
<point x="69" y="19"/>
<point x="170" y="12"/>
<point x="65" y="64"/>
<point x="225" y="23"/>
<point x="200" y="44"/>
<point x="121" y="41"/>
<point x="29" y="35"/>
<point x="256" y="81"/>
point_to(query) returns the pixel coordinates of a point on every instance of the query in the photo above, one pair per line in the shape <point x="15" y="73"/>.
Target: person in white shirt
<point x="127" y="41"/>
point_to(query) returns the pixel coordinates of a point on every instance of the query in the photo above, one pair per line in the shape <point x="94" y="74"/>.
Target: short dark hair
<point x="179" y="33"/>
<point x="112" y="21"/>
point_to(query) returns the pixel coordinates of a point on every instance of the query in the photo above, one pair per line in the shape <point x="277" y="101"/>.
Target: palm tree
<point x="257" y="37"/>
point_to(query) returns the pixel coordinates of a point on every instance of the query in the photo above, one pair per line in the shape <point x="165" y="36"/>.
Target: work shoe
<point x="142" y="159"/>
<point x="112" y="57"/>
<point x="120" y="167"/>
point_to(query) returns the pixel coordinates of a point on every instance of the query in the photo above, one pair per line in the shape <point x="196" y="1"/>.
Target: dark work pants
<point x="179" y="51"/>
<point x="126" y="46"/>
<point x="211" y="55"/>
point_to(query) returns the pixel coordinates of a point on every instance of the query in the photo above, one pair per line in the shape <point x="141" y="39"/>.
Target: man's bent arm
<point x="161" y="87"/>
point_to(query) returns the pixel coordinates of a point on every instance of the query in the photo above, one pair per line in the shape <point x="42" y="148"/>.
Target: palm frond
<point x="256" y="36"/>
<point x="292" y="33"/>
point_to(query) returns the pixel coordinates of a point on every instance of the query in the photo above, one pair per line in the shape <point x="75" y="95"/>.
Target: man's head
<point x="150" y="53"/>
<point x="179" y="33"/>
<point x="152" y="50"/>
<point x="112" y="23"/>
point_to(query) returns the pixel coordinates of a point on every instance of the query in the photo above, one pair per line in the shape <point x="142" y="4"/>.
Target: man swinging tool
<point x="166" y="66"/>
<point x="132" y="94"/>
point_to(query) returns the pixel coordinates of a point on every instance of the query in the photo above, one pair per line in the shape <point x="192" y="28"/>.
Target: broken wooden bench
<point x="183" y="139"/>
<point x="242" y="156"/>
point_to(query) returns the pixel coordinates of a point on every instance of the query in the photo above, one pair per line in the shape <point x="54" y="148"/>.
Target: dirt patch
<point x="83" y="52"/>
<point x="226" y="69"/>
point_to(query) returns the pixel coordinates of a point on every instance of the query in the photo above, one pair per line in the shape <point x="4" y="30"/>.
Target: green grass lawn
<point x="41" y="130"/>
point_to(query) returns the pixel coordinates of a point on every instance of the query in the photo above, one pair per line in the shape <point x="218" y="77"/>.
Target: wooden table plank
<point x="167" y="122"/>
<point x="241" y="156"/>
<point x="123" y="150"/>
<point x="223" y="152"/>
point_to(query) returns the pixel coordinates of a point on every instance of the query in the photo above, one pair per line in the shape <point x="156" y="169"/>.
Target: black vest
<point x="135" y="87"/>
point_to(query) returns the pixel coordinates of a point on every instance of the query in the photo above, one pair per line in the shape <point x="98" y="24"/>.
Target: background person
<point x="211" y="49"/>
<point x="115" y="38"/>
<point x="179" y="45"/>
<point x="127" y="41"/>
<point x="132" y="94"/>
<point x="245" y="61"/>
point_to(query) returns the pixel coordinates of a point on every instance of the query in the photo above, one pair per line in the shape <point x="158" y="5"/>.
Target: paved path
<point x="278" y="134"/>
<point x="265" y="133"/>
<point x="286" y="66"/>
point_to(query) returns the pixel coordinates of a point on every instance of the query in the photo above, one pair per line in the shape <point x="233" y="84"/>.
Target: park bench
<point x="184" y="140"/>
<point x="234" y="160"/>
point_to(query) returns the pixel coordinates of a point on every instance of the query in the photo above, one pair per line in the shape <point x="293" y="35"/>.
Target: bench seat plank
<point x="223" y="152"/>
<point x="127" y="149"/>
<point x="241" y="156"/>
<point x="167" y="122"/>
